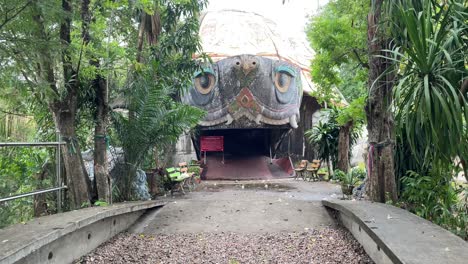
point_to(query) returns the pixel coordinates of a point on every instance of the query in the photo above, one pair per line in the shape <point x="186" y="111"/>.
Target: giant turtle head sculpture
<point x="263" y="90"/>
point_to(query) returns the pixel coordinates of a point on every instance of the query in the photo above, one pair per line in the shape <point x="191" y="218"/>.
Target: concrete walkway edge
<point x="54" y="234"/>
<point x="394" y="235"/>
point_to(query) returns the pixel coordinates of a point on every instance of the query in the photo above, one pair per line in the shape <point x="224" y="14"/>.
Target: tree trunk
<point x="330" y="169"/>
<point x="141" y="35"/>
<point x="64" y="107"/>
<point x="343" y="147"/>
<point x="381" y="181"/>
<point x="78" y="182"/>
<point x="101" y="174"/>
<point x="125" y="181"/>
<point x="40" y="201"/>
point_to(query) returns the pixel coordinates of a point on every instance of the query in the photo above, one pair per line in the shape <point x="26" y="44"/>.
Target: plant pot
<point x="197" y="179"/>
<point x="347" y="189"/>
<point x="321" y="176"/>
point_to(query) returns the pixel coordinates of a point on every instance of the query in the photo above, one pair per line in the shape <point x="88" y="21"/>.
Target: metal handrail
<point x="31" y="144"/>
<point x="22" y="195"/>
<point x="58" y="167"/>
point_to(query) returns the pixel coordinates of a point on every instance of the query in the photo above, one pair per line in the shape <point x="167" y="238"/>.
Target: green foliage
<point x="353" y="84"/>
<point x="194" y="169"/>
<point x="358" y="173"/>
<point x="324" y="135"/>
<point x="323" y="170"/>
<point x="155" y="117"/>
<point x="430" y="43"/>
<point x="338" y="36"/>
<point x="351" y="178"/>
<point x="436" y="198"/>
<point x="100" y="203"/>
<point x="14" y="127"/>
<point x="85" y="204"/>
<point x="339" y="174"/>
<point x="431" y="52"/>
<point x="18" y="167"/>
<point x="354" y="113"/>
<point x="108" y="55"/>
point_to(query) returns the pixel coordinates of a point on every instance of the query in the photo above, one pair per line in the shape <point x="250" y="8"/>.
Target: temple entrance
<point x="243" y="142"/>
<point x="248" y="155"/>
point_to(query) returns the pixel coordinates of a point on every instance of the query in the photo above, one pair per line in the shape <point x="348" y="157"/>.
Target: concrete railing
<point x="393" y="235"/>
<point x="65" y="237"/>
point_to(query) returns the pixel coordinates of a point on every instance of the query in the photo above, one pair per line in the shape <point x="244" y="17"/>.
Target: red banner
<point x="212" y="143"/>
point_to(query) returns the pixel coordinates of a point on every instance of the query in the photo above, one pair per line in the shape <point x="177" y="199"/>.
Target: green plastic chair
<point x="174" y="174"/>
<point x="177" y="178"/>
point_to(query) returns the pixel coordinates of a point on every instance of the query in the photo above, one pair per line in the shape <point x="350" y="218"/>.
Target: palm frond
<point x="430" y="109"/>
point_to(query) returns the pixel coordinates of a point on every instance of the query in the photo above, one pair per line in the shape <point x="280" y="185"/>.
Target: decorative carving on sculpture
<point x="263" y="90"/>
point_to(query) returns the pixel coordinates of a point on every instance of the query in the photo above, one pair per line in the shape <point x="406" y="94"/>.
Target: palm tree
<point x="324" y="137"/>
<point x="157" y="120"/>
<point x="431" y="48"/>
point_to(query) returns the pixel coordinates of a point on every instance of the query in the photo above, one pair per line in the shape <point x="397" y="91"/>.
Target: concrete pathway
<point x="245" y="207"/>
<point x="279" y="221"/>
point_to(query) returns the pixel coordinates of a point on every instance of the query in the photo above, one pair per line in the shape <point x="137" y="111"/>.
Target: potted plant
<point x="348" y="183"/>
<point x="196" y="170"/>
<point x="339" y="175"/>
<point x="322" y="173"/>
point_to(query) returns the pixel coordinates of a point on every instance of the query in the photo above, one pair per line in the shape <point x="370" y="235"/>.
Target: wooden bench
<point x="189" y="182"/>
<point x="301" y="169"/>
<point x="313" y="170"/>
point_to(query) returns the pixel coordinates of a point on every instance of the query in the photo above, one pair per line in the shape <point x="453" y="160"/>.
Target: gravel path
<point x="327" y="245"/>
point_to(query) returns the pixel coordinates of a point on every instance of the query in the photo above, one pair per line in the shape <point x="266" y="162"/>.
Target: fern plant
<point x="153" y="119"/>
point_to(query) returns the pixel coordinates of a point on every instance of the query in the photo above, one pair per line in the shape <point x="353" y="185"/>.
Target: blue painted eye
<point x="205" y="70"/>
<point x="286" y="69"/>
<point x="204" y="81"/>
<point x="285" y="83"/>
<point x="283" y="78"/>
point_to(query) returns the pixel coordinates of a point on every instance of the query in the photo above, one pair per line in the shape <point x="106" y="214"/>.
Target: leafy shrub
<point x="340" y="175"/>
<point x="358" y="173"/>
<point x="195" y="170"/>
<point x="18" y="168"/>
<point x="437" y="198"/>
<point x="350" y="179"/>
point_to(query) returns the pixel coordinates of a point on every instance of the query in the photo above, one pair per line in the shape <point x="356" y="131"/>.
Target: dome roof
<point x="228" y="33"/>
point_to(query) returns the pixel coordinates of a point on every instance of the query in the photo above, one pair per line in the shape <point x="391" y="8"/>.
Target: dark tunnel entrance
<point x="248" y="154"/>
<point x="243" y="142"/>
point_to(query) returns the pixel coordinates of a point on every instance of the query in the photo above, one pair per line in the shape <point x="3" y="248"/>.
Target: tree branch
<point x="8" y="19"/>
<point x="12" y="113"/>
<point x="45" y="67"/>
<point x="363" y="64"/>
<point x="141" y="34"/>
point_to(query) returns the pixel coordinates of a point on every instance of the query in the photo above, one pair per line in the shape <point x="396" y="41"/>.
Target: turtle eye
<point x="204" y="81"/>
<point x="282" y="81"/>
<point x="283" y="78"/>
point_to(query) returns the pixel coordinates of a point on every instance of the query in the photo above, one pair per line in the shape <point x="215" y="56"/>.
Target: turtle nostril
<point x="237" y="63"/>
<point x="254" y="63"/>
